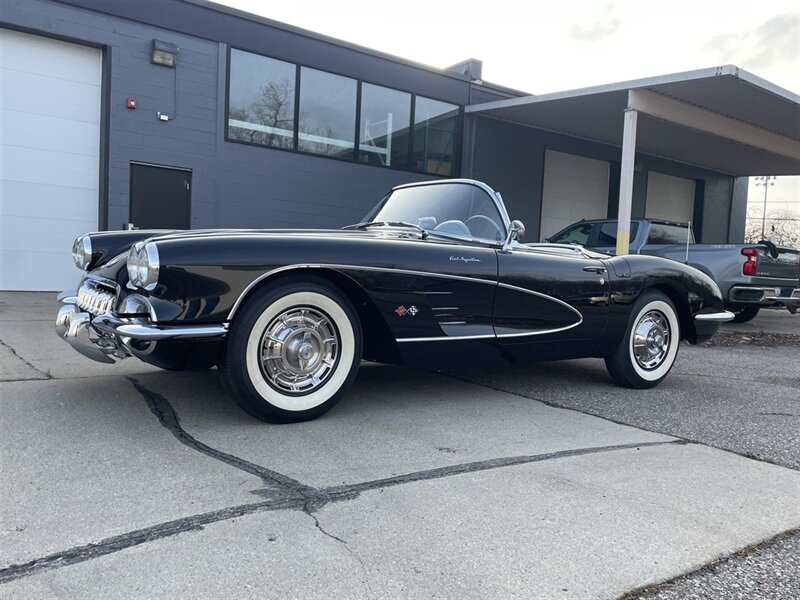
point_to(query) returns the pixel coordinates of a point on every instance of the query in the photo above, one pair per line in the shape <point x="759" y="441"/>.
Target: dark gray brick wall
<point x="233" y="185"/>
<point x="242" y="186"/>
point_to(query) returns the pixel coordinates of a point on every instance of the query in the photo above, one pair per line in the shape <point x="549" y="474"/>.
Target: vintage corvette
<point x="436" y="277"/>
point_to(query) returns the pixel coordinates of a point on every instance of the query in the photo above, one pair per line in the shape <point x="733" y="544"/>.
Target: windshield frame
<point x="494" y="196"/>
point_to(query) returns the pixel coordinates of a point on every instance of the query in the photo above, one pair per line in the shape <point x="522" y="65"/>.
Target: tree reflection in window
<point x="262" y="97"/>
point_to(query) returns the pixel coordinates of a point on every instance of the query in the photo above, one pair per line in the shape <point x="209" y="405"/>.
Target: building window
<point x="261" y="100"/>
<point x="385" y="117"/>
<point x="435" y="128"/>
<point x="327" y="117"/>
<point x="283" y="105"/>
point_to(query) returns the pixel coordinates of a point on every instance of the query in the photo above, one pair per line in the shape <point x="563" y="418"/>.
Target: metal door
<point x="160" y="197"/>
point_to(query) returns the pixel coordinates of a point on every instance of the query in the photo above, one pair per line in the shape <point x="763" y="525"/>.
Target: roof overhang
<point x="723" y="119"/>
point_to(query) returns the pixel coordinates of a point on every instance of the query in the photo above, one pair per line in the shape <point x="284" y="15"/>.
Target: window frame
<point x="412" y="97"/>
<point x="297" y="117"/>
<point x="227" y="116"/>
<point x="457" y="143"/>
<point x="458" y="146"/>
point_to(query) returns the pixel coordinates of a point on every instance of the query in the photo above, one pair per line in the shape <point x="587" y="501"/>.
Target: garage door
<point x="669" y="198"/>
<point x="574" y="188"/>
<point x="49" y="157"/>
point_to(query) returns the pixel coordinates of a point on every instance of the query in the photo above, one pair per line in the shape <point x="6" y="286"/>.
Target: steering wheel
<point x="481" y="226"/>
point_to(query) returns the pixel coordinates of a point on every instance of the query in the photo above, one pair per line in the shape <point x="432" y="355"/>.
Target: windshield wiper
<point x="367" y="224"/>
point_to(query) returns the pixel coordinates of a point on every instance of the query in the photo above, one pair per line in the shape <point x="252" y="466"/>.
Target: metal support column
<point x="626" y="181"/>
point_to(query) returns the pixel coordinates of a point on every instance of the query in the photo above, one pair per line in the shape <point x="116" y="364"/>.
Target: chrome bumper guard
<point x="107" y="338"/>
<point x="718" y="317"/>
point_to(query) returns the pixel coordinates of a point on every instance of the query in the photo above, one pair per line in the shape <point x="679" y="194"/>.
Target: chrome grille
<point x="95" y="298"/>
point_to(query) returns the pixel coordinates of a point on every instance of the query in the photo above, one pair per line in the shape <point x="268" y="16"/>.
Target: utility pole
<point x="766" y="181"/>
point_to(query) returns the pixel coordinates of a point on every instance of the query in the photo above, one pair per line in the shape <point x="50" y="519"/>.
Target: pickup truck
<point x="750" y="276"/>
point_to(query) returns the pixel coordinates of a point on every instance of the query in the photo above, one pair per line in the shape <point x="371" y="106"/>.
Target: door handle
<point x="597" y="270"/>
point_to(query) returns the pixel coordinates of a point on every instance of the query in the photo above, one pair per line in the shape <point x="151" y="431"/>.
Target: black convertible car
<point x="435" y="277"/>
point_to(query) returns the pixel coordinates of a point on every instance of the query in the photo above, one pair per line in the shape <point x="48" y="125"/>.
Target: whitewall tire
<point x="648" y="351"/>
<point x="293" y="350"/>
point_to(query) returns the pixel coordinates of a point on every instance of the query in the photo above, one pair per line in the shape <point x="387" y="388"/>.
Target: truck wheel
<point x="648" y="351"/>
<point x="748" y="313"/>
<point x="292" y="351"/>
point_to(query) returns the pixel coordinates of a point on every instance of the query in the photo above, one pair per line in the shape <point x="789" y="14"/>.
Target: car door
<point x="548" y="294"/>
<point x="460" y="289"/>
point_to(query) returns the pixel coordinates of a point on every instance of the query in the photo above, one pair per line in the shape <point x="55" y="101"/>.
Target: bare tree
<point x="274" y="108"/>
<point x="782" y="227"/>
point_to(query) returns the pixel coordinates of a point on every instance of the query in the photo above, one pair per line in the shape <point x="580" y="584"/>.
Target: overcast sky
<point x="555" y="45"/>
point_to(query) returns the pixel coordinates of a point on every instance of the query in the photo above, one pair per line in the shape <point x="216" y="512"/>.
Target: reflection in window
<point x="608" y="233"/>
<point x="661" y="233"/>
<point x="261" y="100"/>
<point x="385" y="116"/>
<point x="327" y="119"/>
<point x="435" y="126"/>
<point x="577" y="234"/>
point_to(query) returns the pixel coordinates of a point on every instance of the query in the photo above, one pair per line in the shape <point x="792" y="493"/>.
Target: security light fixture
<point x="164" y="54"/>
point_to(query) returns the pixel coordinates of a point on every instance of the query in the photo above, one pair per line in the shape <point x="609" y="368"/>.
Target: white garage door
<point x="574" y="188"/>
<point x="49" y="157"/>
<point x="669" y="198"/>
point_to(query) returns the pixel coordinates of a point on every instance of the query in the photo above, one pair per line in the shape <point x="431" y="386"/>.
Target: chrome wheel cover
<point x="299" y="350"/>
<point x="651" y="340"/>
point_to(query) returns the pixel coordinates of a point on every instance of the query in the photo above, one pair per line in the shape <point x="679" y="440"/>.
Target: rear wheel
<point x="292" y="351"/>
<point x="745" y="314"/>
<point x="648" y="351"/>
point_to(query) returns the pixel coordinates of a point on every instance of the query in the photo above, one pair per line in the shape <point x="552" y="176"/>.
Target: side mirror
<point x="519" y="228"/>
<point x="515" y="232"/>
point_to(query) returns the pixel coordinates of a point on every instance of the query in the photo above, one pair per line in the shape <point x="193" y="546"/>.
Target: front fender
<point x="108" y="244"/>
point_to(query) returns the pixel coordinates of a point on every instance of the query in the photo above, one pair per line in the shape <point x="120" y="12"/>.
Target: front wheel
<point x="648" y="351"/>
<point x="292" y="351"/>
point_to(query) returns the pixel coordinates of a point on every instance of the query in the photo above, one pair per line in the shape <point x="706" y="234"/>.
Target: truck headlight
<point x="82" y="252"/>
<point x="143" y="265"/>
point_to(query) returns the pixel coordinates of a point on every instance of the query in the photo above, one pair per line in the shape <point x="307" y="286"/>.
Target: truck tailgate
<point x="785" y="266"/>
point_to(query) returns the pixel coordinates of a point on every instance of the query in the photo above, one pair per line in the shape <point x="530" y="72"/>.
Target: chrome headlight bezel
<point x="143" y="265"/>
<point x="82" y="252"/>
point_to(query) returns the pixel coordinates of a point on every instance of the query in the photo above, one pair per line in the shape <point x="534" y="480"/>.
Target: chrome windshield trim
<point x="719" y="317"/>
<point x="495" y="196"/>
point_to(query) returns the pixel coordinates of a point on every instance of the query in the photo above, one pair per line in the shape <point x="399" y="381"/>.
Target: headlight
<point x="143" y="265"/>
<point x="82" y="252"/>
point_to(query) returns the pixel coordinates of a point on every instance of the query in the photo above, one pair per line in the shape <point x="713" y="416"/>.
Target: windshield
<point x="459" y="209"/>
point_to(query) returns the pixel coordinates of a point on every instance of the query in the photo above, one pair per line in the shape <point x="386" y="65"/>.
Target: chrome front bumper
<point x="107" y="338"/>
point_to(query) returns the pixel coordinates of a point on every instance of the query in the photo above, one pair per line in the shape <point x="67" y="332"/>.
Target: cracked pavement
<point x="536" y="482"/>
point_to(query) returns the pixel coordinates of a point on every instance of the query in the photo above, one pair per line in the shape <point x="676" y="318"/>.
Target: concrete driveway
<point x="536" y="482"/>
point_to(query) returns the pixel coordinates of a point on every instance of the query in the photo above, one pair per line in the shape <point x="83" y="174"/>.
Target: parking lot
<point x="543" y="481"/>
